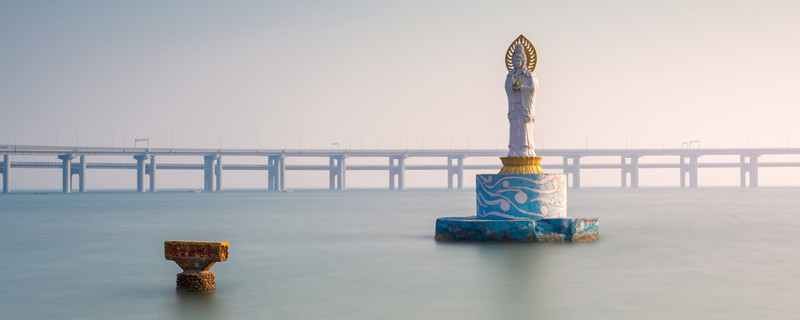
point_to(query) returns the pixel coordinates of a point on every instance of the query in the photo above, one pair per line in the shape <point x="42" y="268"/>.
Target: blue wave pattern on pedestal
<point x="514" y="196"/>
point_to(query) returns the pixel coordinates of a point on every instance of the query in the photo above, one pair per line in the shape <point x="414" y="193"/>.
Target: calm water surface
<point x="662" y="254"/>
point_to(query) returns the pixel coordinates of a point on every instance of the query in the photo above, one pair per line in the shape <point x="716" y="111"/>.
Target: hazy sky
<point x="192" y="73"/>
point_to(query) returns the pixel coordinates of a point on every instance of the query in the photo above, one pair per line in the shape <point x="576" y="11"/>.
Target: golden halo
<point x="530" y="51"/>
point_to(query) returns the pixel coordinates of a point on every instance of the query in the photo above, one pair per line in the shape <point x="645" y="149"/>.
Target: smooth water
<point x="662" y="254"/>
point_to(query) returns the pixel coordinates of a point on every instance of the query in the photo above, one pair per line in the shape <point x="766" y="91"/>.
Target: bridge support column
<point x="332" y="174"/>
<point x="753" y="171"/>
<point x="140" y="171"/>
<point x="455" y="169"/>
<point x="573" y="169"/>
<point x="208" y="172"/>
<point x="66" y="172"/>
<point x="82" y="175"/>
<point x="630" y="168"/>
<point x="337" y="173"/>
<point x="401" y="173"/>
<point x="219" y="173"/>
<point x="392" y="173"/>
<point x="742" y="172"/>
<point x="282" y="173"/>
<point x="152" y="174"/>
<point x="624" y="169"/>
<point x="342" y="183"/>
<point x="689" y="166"/>
<point x="5" y="170"/>
<point x="397" y="172"/>
<point x="748" y="168"/>
<point x="275" y="175"/>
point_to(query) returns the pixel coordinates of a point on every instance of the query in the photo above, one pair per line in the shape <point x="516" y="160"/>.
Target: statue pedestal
<point x="521" y="165"/>
<point x="521" y="196"/>
<point x="519" y="208"/>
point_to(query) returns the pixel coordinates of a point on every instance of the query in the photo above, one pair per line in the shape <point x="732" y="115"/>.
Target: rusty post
<point x="196" y="258"/>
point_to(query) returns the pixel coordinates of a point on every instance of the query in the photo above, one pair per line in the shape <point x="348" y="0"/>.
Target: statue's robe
<point x="521" y="112"/>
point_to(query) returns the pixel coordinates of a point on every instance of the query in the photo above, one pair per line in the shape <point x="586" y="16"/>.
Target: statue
<point x="521" y="203"/>
<point x="521" y="87"/>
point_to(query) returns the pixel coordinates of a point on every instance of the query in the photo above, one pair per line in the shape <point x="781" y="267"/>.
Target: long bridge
<point x="73" y="162"/>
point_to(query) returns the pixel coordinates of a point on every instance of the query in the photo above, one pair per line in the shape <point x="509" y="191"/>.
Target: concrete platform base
<point x="196" y="282"/>
<point x="472" y="229"/>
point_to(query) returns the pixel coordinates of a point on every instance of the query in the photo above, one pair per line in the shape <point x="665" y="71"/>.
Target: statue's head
<point x="520" y="58"/>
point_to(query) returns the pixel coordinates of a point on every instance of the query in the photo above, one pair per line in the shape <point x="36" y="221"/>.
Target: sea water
<point x="370" y="254"/>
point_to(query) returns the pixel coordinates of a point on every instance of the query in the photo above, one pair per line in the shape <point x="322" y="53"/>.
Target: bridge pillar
<point x="82" y="175"/>
<point x="634" y="171"/>
<point x="5" y="169"/>
<point x="742" y="172"/>
<point x="140" y="171"/>
<point x="576" y="173"/>
<point x="748" y="167"/>
<point x="66" y="172"/>
<point x="683" y="172"/>
<point x="630" y="167"/>
<point x="275" y="173"/>
<point x="401" y="173"/>
<point x="392" y="173"/>
<point x="754" y="171"/>
<point x="219" y="173"/>
<point x="270" y="173"/>
<point x="332" y="173"/>
<point x="342" y="184"/>
<point x="693" y="172"/>
<point x="282" y="173"/>
<point x="397" y="172"/>
<point x="208" y="172"/>
<point x="573" y="169"/>
<point x="689" y="166"/>
<point x="455" y="169"/>
<point x="624" y="169"/>
<point x="337" y="172"/>
<point x="152" y="174"/>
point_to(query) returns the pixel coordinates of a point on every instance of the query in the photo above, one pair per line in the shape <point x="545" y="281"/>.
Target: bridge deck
<point x="190" y="166"/>
<point x="688" y="161"/>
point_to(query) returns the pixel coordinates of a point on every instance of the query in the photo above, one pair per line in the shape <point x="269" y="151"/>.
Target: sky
<point x="397" y="74"/>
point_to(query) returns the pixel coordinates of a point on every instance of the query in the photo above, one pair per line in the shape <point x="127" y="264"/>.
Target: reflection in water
<point x="522" y="269"/>
<point x="192" y="305"/>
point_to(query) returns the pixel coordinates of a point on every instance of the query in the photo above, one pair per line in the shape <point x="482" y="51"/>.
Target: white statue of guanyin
<point x="521" y="87"/>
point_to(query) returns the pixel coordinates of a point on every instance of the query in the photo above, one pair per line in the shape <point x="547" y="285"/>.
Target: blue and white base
<point x="472" y="229"/>
<point x="519" y="208"/>
<point x="526" y="196"/>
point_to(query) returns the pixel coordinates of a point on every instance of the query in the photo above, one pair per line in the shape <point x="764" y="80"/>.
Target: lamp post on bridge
<point x="688" y="144"/>
<point x="145" y="140"/>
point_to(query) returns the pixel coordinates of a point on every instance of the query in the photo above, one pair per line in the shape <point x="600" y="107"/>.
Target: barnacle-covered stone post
<point x="196" y="258"/>
<point x="521" y="203"/>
